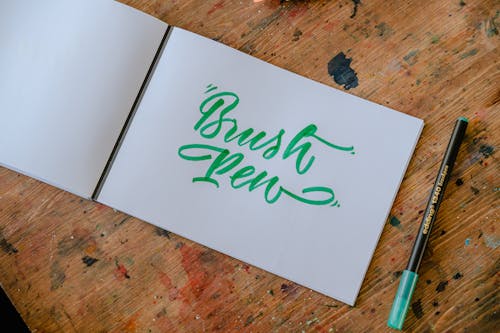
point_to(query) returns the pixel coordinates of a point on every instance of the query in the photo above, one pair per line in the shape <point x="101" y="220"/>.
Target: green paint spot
<point x="418" y="82"/>
<point x="469" y="53"/>
<point x="435" y="39"/>
<point x="394" y="221"/>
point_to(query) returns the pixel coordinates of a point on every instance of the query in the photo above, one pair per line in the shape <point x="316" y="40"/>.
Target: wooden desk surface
<point x="73" y="265"/>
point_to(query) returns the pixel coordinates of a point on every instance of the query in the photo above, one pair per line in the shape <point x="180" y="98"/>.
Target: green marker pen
<point x="409" y="277"/>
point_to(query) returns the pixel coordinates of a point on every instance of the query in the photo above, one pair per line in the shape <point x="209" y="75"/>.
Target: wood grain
<point x="73" y="265"/>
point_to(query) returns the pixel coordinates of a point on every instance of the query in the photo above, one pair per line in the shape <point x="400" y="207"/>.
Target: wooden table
<point x="69" y="264"/>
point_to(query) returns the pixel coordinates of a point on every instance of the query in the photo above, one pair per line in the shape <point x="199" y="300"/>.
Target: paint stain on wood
<point x="296" y="35"/>
<point x="6" y="246"/>
<point x="411" y="57"/>
<point x="165" y="280"/>
<point x="486" y="150"/>
<point x="57" y="276"/>
<point x="356" y="3"/>
<point x="441" y="286"/>
<point x="162" y="232"/>
<point x="394" y="221"/>
<point x="416" y="307"/>
<point x="217" y="6"/>
<point x="341" y="72"/>
<point x="121" y="273"/>
<point x="89" y="261"/>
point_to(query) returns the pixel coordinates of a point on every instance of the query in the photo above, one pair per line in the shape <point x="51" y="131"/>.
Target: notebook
<point x="183" y="132"/>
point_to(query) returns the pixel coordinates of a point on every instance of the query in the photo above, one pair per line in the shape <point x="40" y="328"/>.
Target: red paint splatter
<point x="173" y="292"/>
<point x="297" y="12"/>
<point x="207" y="289"/>
<point x="246" y="268"/>
<point x="217" y="6"/>
<point x="121" y="272"/>
<point x="199" y="279"/>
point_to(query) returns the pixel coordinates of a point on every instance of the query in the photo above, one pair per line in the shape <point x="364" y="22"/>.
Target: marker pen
<point x="409" y="277"/>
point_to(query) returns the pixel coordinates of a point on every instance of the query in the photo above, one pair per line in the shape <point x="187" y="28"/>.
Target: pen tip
<point x="463" y="119"/>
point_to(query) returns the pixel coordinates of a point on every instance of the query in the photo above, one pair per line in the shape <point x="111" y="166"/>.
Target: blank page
<point x="204" y="158"/>
<point x="69" y="74"/>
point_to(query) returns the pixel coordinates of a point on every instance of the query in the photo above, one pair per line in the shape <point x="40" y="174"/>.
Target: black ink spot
<point x="437" y="313"/>
<point x="459" y="182"/>
<point x="461" y="3"/>
<point x="296" y="35"/>
<point x="476" y="299"/>
<point x="89" y="261"/>
<point x="417" y="309"/>
<point x="428" y="281"/>
<point x="284" y="288"/>
<point x="355" y="9"/>
<point x="457" y="276"/>
<point x="474" y="190"/>
<point x="162" y="233"/>
<point x="435" y="303"/>
<point x="486" y="150"/>
<point x="341" y="72"/>
<point x="397" y="274"/>
<point x="441" y="286"/>
<point x="442" y="232"/>
<point x="6" y="246"/>
<point x="394" y="221"/>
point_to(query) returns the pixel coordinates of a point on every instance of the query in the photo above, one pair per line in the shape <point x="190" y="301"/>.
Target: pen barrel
<point x="437" y="194"/>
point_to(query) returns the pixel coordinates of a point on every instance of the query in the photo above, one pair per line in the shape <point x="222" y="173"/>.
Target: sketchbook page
<point x="262" y="164"/>
<point x="70" y="72"/>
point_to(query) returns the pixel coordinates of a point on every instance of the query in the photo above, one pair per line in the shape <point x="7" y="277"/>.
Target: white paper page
<point x="324" y="247"/>
<point x="69" y="74"/>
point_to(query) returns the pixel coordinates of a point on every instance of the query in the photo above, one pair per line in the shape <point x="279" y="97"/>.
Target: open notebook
<point x="195" y="137"/>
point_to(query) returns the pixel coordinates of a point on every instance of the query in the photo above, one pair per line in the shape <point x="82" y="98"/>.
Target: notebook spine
<point x="131" y="114"/>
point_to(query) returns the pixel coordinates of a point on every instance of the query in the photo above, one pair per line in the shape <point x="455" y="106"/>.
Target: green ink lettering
<point x="310" y="190"/>
<point x="308" y="131"/>
<point x="213" y="117"/>
<point x="215" y="107"/>
<point x="241" y="173"/>
<point x="224" y="162"/>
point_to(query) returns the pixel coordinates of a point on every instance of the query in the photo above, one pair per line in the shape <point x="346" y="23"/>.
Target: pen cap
<point x="402" y="300"/>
